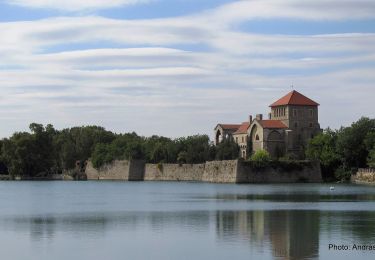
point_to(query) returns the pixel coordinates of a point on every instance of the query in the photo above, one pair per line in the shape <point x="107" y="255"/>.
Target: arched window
<point x="257" y="137"/>
<point x="236" y="139"/>
<point x="242" y="138"/>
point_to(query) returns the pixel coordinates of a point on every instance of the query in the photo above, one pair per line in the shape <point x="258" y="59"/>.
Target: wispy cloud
<point x="191" y="70"/>
<point x="74" y="5"/>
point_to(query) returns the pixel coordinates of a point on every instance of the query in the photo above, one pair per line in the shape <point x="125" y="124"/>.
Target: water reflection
<point x="291" y="234"/>
<point x="254" y="224"/>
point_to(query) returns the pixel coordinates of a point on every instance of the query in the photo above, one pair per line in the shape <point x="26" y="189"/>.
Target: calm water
<point x="167" y="220"/>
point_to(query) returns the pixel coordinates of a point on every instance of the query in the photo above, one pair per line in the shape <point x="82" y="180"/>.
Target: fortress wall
<point x="117" y="170"/>
<point x="248" y="174"/>
<point x="220" y="171"/>
<point x="174" y="172"/>
<point x="230" y="171"/>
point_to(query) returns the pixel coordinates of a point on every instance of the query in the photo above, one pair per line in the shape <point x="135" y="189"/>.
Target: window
<point x="312" y="136"/>
<point x="310" y="125"/>
<point x="236" y="139"/>
<point x="295" y="124"/>
<point x="311" y="112"/>
<point x="257" y="137"/>
<point x="294" y="112"/>
<point x="242" y="138"/>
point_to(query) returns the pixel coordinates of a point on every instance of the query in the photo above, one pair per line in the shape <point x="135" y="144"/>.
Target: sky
<point x="179" y="67"/>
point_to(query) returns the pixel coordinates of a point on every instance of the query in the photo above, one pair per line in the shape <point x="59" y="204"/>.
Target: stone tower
<point x="300" y="115"/>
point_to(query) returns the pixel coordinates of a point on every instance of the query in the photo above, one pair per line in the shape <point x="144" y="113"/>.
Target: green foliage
<point x="343" y="174"/>
<point x="30" y="154"/>
<point x="322" y="148"/>
<point x="370" y="145"/>
<point x="290" y="164"/>
<point x="351" y="146"/>
<point x="371" y="158"/>
<point x="155" y="149"/>
<point x="342" y="152"/>
<point x="261" y="159"/>
<point x="45" y="150"/>
<point x="227" y="150"/>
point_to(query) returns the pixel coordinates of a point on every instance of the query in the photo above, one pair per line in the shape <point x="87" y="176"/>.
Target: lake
<point x="171" y="220"/>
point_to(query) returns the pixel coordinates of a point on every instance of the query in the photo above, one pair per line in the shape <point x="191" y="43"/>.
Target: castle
<point x="292" y="122"/>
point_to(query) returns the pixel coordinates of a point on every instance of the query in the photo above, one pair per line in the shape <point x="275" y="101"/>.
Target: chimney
<point x="259" y="116"/>
<point x="250" y="119"/>
<point x="269" y="116"/>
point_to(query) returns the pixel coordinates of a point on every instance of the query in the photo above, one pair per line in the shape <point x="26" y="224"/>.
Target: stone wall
<point x="365" y="176"/>
<point x="231" y="171"/>
<point x="174" y="172"/>
<point x="310" y="172"/>
<point x="220" y="171"/>
<point x="117" y="170"/>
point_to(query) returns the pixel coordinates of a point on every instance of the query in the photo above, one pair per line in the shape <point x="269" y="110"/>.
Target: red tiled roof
<point x="272" y="124"/>
<point x="230" y="126"/>
<point x="243" y="128"/>
<point x="294" y="98"/>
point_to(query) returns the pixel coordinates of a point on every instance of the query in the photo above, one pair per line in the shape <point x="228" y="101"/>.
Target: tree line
<point x="45" y="150"/>
<point x="341" y="152"/>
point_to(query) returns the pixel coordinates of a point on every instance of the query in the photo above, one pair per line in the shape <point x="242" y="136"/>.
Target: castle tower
<point x="300" y="115"/>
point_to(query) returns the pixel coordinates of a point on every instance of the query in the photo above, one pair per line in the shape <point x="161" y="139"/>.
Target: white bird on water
<point x="331" y="188"/>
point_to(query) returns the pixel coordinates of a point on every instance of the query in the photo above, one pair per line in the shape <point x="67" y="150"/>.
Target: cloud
<point x="181" y="75"/>
<point x="74" y="5"/>
<point x="316" y="10"/>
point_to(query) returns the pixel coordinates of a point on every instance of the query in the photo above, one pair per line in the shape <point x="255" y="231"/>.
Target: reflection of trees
<point x="293" y="234"/>
<point x="95" y="225"/>
<point x="357" y="224"/>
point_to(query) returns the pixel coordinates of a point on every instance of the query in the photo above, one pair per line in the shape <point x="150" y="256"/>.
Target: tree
<point x="370" y="144"/>
<point x="371" y="158"/>
<point x="227" y="150"/>
<point x="351" y="146"/>
<point x="322" y="148"/>
<point x="261" y="158"/>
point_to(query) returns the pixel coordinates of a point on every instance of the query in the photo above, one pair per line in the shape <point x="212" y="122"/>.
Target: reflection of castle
<point x="292" y="234"/>
<point x="293" y="120"/>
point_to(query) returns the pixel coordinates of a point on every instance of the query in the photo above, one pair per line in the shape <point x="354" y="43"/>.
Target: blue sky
<point x="179" y="67"/>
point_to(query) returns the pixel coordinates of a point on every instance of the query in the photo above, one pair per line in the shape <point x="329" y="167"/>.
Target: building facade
<point x="292" y="122"/>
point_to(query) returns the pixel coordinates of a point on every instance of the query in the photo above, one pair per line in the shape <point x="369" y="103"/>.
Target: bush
<point x="261" y="159"/>
<point x="343" y="174"/>
<point x="371" y="159"/>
